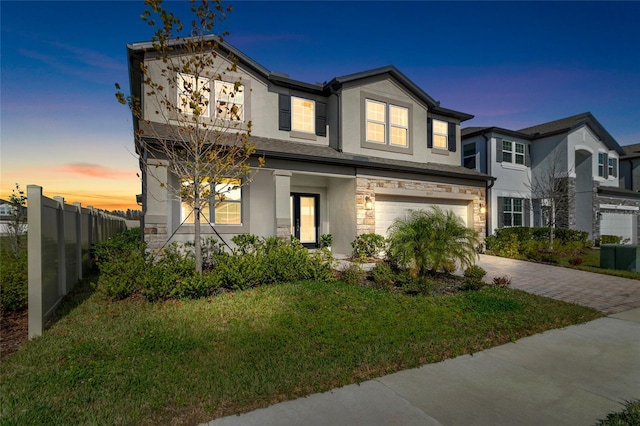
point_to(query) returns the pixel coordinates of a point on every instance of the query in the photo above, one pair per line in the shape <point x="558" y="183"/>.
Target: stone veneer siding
<point x="366" y="187"/>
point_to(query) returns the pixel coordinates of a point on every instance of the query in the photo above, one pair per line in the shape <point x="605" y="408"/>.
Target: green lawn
<point x="591" y="263"/>
<point x="183" y="362"/>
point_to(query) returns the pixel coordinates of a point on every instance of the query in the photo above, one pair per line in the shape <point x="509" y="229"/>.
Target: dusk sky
<point x="511" y="64"/>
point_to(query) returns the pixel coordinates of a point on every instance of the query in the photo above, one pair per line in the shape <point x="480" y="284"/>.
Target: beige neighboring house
<point x="344" y="157"/>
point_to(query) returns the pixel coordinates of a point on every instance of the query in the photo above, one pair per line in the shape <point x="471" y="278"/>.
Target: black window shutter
<point x="499" y="150"/>
<point x="615" y="167"/>
<point x="321" y="119"/>
<point x="500" y="212"/>
<point x="527" y="155"/>
<point x="429" y="133"/>
<point x="605" y="172"/>
<point x="452" y="137"/>
<point x="284" y="112"/>
<point x="527" y="213"/>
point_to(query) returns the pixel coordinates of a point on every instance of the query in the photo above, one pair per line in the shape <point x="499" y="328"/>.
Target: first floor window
<point x="224" y="206"/>
<point x="512" y="212"/>
<point x="228" y="202"/>
<point x="303" y="113"/>
<point x="187" y="210"/>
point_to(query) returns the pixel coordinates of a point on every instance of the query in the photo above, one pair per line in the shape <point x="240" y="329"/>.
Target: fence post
<point x="78" y="234"/>
<point x="34" y="252"/>
<point x="62" y="255"/>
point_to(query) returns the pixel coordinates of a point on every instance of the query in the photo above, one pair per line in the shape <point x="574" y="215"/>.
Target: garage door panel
<point x="389" y="208"/>
<point x="619" y="224"/>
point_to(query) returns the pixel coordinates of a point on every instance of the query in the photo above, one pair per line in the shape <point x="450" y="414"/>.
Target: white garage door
<point x="388" y="208"/>
<point x="619" y="224"/>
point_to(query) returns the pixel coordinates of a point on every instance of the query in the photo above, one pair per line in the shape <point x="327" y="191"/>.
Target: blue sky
<point x="511" y="64"/>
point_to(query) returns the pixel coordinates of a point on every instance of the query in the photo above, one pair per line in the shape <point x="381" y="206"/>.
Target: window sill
<point x="512" y="166"/>
<point x="388" y="148"/>
<point x="302" y="135"/>
<point x="440" y="151"/>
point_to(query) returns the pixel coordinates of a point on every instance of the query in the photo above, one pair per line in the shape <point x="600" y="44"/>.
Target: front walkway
<point x="603" y="292"/>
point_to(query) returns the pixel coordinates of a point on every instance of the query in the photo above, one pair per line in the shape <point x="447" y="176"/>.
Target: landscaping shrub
<point x="473" y="278"/>
<point x="431" y="240"/>
<point x="610" y="239"/>
<point x="353" y="274"/>
<point x="122" y="264"/>
<point x="503" y="281"/>
<point x="382" y="276"/>
<point x="14" y="280"/>
<point x="629" y="416"/>
<point x="368" y="245"/>
<point x="170" y="274"/>
<point x="121" y="276"/>
<point x="575" y="261"/>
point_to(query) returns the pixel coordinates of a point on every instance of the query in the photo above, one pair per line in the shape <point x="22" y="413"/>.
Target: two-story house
<point x="577" y="152"/>
<point x="344" y="157"/>
<point x="630" y="168"/>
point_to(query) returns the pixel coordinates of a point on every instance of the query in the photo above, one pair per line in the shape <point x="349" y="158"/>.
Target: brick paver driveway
<point x="603" y="292"/>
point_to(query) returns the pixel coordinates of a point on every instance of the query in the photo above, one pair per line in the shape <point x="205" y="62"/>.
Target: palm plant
<point x="431" y="240"/>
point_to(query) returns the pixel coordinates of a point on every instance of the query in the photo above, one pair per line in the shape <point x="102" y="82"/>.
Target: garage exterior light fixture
<point x="368" y="203"/>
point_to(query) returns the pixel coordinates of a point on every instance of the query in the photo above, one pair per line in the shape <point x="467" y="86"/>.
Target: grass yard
<point x="183" y="362"/>
<point x="591" y="263"/>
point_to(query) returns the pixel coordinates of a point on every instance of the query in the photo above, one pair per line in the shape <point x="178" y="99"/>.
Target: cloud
<point x="95" y="171"/>
<point x="86" y="64"/>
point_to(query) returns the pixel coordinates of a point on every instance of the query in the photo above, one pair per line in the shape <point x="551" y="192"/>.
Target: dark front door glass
<point x="305" y="218"/>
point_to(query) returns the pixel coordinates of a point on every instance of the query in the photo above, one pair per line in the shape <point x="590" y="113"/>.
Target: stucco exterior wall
<point x="583" y="139"/>
<point x="353" y="119"/>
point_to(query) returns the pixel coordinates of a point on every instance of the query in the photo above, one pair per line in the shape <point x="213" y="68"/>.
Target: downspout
<point x="338" y="127"/>
<point x="488" y="186"/>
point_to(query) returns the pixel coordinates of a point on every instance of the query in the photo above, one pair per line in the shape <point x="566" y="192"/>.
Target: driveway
<point x="606" y="293"/>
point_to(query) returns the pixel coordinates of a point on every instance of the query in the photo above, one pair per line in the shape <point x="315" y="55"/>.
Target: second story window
<point x="601" y="156"/>
<point x="387" y="123"/>
<point x="303" y="115"/>
<point x="229" y="101"/>
<point x="469" y="156"/>
<point x="193" y="95"/>
<point x="440" y="134"/>
<point x="513" y="152"/>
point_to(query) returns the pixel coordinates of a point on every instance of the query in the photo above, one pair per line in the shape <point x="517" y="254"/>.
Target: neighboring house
<point x="6" y="218"/>
<point x="344" y="157"/>
<point x="587" y="162"/>
<point x="630" y="167"/>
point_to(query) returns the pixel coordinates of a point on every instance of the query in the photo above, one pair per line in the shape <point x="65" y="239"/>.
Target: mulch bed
<point x="14" y="330"/>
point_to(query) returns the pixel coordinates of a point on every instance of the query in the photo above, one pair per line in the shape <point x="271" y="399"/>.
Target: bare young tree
<point x="191" y="119"/>
<point x="548" y="186"/>
<point x="17" y="225"/>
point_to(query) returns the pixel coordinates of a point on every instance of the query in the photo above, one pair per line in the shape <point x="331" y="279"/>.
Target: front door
<point x="305" y="218"/>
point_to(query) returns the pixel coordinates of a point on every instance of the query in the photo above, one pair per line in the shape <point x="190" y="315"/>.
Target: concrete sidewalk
<point x="570" y="376"/>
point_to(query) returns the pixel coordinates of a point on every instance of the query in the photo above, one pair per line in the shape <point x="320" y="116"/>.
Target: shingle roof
<point x="631" y="150"/>
<point x="569" y="123"/>
<point x="309" y="152"/>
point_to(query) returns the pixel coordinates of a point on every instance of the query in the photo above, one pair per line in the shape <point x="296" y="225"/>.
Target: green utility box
<point x="620" y="256"/>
